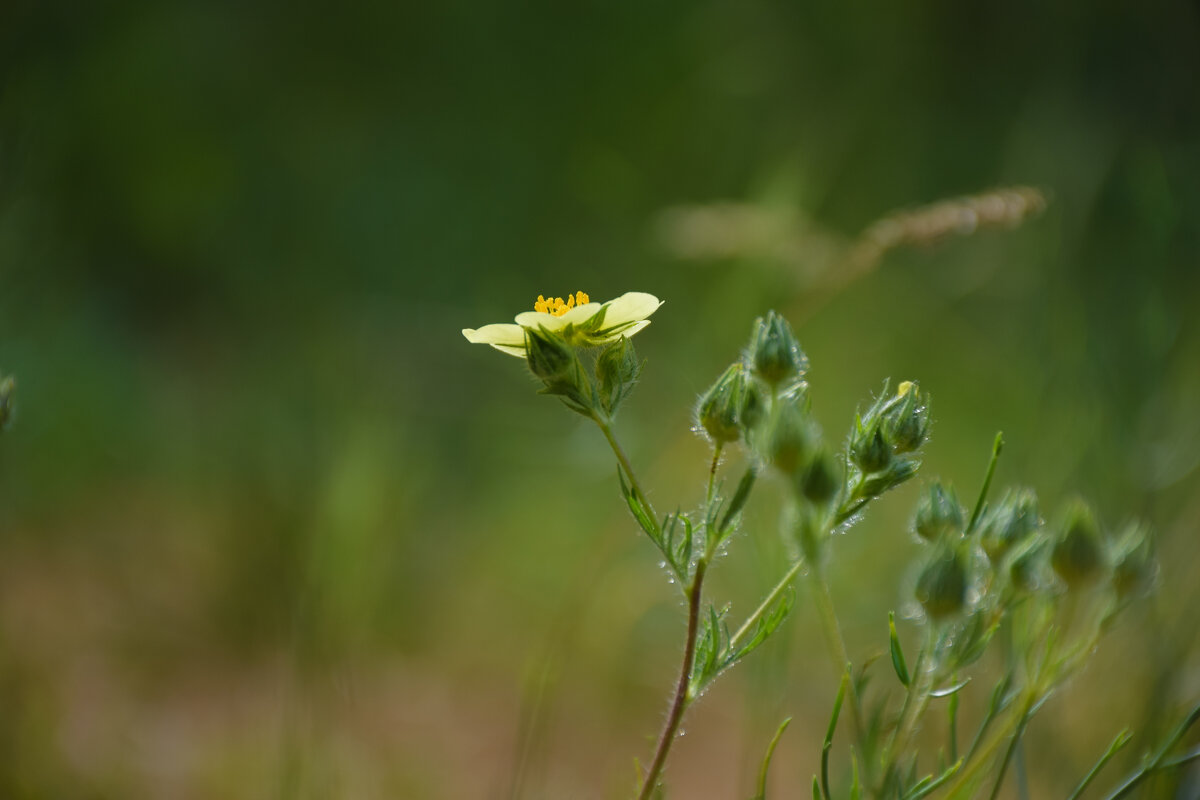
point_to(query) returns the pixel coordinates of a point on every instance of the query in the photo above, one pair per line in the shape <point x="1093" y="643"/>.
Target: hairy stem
<point x="681" y="700"/>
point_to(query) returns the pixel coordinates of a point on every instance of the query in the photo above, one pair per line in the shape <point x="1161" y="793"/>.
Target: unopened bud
<point x="720" y="407"/>
<point x="617" y="370"/>
<point x="774" y="354"/>
<point x="754" y="405"/>
<point x="1078" y="557"/>
<point x="938" y="514"/>
<point x="942" y="585"/>
<point x="821" y="480"/>
<point x="791" y="439"/>
<point x="897" y="472"/>
<point x="868" y="448"/>
<point x="906" y="418"/>
<point x="1027" y="564"/>
<point x="1013" y="519"/>
<point x="1134" y="567"/>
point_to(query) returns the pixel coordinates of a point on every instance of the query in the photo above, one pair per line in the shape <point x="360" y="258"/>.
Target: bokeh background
<point x="269" y="526"/>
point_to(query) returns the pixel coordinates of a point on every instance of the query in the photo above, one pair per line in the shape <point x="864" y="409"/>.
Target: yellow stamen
<point x="557" y="307"/>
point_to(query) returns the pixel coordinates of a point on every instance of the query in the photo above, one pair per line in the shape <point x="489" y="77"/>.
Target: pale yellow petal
<point x="519" y="352"/>
<point x="538" y="319"/>
<point x="580" y="314"/>
<point x="500" y="333"/>
<point x="630" y="307"/>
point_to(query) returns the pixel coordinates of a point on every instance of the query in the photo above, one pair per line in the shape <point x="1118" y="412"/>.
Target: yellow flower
<point x="579" y="320"/>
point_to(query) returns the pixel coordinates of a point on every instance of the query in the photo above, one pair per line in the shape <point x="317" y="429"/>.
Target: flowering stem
<point x="623" y="460"/>
<point x="681" y="700"/>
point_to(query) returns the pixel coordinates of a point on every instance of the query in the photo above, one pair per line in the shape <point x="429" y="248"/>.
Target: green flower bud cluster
<point x="749" y="395"/>
<point x="7" y="404"/>
<point x="884" y="439"/>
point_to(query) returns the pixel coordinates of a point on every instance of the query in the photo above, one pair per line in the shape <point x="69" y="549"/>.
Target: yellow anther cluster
<point x="556" y="306"/>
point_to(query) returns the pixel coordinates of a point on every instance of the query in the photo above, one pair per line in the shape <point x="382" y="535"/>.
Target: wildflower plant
<point x="1047" y="591"/>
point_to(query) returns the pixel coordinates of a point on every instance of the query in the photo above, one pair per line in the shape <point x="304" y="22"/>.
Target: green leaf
<point x="638" y="509"/>
<point x="952" y="690"/>
<point x="766" y="765"/>
<point x="930" y="783"/>
<point x="897" y="653"/>
<point x="740" y="496"/>
<point x="767" y="624"/>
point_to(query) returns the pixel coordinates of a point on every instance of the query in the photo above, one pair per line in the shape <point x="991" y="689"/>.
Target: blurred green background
<point x="270" y="527"/>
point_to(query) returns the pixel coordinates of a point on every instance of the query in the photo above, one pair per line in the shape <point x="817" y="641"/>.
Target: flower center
<point x="556" y="306"/>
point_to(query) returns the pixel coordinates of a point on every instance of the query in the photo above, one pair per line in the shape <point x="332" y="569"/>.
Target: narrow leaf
<point x="766" y="765"/>
<point x="929" y="784"/>
<point x="950" y="690"/>
<point x="740" y="496"/>
<point x="897" y="653"/>
<point x="833" y="720"/>
<point x="1117" y="745"/>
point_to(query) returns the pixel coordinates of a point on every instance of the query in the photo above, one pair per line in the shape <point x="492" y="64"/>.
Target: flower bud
<point x="897" y="472"/>
<point x="868" y="448"/>
<point x="720" y="407"/>
<point x="942" y="584"/>
<point x="791" y="438"/>
<point x="821" y="480"/>
<point x="1134" y="567"/>
<point x="754" y="405"/>
<point x="1027" y="568"/>
<point x="938" y="514"/>
<point x="1077" y="556"/>
<point x="617" y="369"/>
<point x="1013" y="519"/>
<point x="774" y="354"/>
<point x="906" y="419"/>
<point x="7" y="390"/>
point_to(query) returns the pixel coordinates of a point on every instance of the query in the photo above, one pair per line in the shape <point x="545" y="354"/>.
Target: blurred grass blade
<point x="997" y="446"/>
<point x="1158" y="761"/>
<point x="1117" y="745"/>
<point x="929" y="783"/>
<point x="833" y="720"/>
<point x="766" y="764"/>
